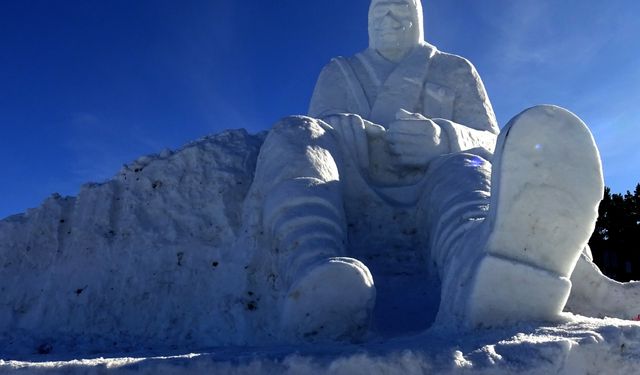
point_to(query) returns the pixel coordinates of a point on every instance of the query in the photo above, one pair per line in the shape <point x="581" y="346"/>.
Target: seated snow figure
<point x="402" y="143"/>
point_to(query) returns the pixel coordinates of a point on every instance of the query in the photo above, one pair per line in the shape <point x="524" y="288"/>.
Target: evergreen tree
<point x="616" y="240"/>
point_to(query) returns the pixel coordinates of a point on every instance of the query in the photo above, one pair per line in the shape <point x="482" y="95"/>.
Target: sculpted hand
<point x="351" y="129"/>
<point x="415" y="140"/>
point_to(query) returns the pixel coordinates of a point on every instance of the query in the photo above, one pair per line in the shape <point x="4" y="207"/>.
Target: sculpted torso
<point x="401" y="102"/>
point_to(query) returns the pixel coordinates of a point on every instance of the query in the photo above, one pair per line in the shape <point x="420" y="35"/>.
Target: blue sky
<point x="89" y="85"/>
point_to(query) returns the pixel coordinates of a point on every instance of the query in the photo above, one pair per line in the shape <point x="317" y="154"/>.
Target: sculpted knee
<point x="300" y="137"/>
<point x="466" y="160"/>
<point x="299" y="127"/>
<point x="452" y="166"/>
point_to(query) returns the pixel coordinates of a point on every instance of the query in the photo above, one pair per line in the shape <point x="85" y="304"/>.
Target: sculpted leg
<point x="546" y="183"/>
<point x="327" y="296"/>
<point x="454" y="206"/>
<point x="594" y="294"/>
<point x="546" y="186"/>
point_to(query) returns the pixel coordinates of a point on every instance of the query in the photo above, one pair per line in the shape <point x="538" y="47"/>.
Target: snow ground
<point x="105" y="287"/>
<point x="579" y="346"/>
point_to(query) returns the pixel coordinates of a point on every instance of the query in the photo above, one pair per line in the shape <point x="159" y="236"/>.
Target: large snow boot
<point x="546" y="185"/>
<point x="331" y="300"/>
<point x="327" y="297"/>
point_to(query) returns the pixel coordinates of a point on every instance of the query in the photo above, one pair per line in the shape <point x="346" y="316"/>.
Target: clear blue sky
<point x="88" y="85"/>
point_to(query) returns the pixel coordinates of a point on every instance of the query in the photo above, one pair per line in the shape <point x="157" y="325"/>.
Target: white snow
<point x="580" y="346"/>
<point x="142" y="260"/>
<point x="174" y="314"/>
<point x="171" y="266"/>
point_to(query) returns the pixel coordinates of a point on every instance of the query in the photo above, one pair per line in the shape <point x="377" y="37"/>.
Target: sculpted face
<point x="395" y="27"/>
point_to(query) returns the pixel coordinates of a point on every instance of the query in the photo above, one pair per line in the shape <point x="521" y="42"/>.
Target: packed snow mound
<point x="581" y="346"/>
<point x="142" y="260"/>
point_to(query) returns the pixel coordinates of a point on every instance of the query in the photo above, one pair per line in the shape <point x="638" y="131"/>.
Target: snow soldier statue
<point x="402" y="146"/>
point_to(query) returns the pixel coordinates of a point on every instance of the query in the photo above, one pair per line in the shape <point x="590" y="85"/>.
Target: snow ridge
<point x="142" y="260"/>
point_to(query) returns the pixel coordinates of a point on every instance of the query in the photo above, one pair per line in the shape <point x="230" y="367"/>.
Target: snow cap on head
<point x="415" y="5"/>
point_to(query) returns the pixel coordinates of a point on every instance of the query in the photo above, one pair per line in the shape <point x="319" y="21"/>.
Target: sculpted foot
<point x="546" y="186"/>
<point x="594" y="294"/>
<point x="333" y="300"/>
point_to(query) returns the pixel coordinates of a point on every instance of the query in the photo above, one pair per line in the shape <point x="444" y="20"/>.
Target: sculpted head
<point x="395" y="27"/>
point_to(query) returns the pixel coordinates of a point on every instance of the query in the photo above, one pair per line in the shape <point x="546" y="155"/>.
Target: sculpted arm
<point x="335" y="102"/>
<point x="473" y="123"/>
<point x="330" y="96"/>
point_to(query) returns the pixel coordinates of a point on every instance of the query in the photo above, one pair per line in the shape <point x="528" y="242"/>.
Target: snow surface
<point x="164" y="294"/>
<point x="580" y="346"/>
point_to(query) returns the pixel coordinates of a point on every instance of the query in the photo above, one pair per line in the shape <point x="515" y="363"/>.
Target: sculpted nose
<point x="390" y="20"/>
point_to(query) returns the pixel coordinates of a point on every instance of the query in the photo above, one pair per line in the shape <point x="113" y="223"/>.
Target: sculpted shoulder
<point x="333" y="66"/>
<point x="330" y="95"/>
<point x="471" y="104"/>
<point x="451" y="70"/>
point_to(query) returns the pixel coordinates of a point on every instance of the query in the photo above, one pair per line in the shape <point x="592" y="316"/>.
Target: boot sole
<point x="546" y="187"/>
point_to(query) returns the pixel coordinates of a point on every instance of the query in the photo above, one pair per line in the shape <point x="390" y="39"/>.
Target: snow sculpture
<point x="159" y="257"/>
<point x="404" y="130"/>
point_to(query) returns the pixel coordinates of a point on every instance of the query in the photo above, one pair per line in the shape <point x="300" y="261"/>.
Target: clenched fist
<point x="414" y="140"/>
